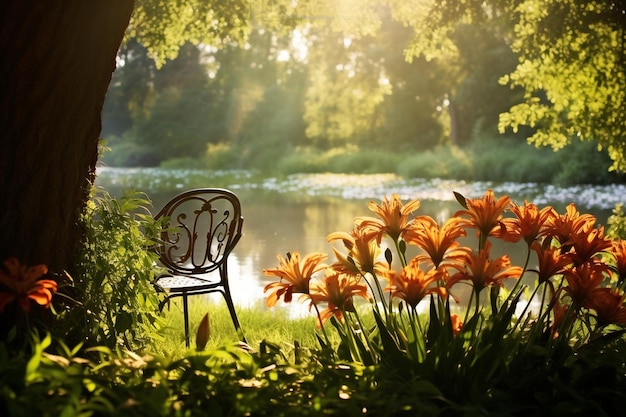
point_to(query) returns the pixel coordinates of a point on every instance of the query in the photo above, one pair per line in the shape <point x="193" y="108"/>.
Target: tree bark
<point x="57" y="59"/>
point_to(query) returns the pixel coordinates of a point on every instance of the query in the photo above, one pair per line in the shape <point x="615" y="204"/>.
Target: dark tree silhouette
<point x="57" y="60"/>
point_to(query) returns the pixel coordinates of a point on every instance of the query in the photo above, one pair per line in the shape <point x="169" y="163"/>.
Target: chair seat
<point x="182" y="283"/>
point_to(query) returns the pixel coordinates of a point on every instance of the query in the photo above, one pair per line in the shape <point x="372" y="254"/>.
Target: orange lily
<point x="563" y="226"/>
<point x="457" y="323"/>
<point x="393" y="218"/>
<point x="439" y="243"/>
<point x="582" y="280"/>
<point x="24" y="284"/>
<point x="608" y="304"/>
<point x="529" y="223"/>
<point x="485" y="214"/>
<point x="588" y="244"/>
<point x="618" y="251"/>
<point x="363" y="253"/>
<point x="484" y="272"/>
<point x="550" y="262"/>
<point x="338" y="291"/>
<point x="413" y="284"/>
<point x="297" y="275"/>
<point x="559" y="314"/>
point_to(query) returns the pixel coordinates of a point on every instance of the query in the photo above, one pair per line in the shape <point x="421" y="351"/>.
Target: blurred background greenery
<point x="360" y="92"/>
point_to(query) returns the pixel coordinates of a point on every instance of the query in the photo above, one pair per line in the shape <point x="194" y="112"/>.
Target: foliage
<point x="507" y="159"/>
<point x="617" y="223"/>
<point x="128" y="153"/>
<point x="405" y="76"/>
<point x="573" y="79"/>
<point x="564" y="306"/>
<point x="272" y="94"/>
<point x="116" y="303"/>
<point x="164" y="26"/>
<point x="570" y="63"/>
<point x="343" y="160"/>
<point x="228" y="381"/>
<point x="345" y="66"/>
<point x="440" y="162"/>
<point x="497" y="355"/>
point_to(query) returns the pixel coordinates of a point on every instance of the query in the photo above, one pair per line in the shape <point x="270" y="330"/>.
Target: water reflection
<point x="298" y="214"/>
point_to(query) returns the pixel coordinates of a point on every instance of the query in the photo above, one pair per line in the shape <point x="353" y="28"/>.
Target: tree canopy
<point x="571" y="63"/>
<point x="562" y="62"/>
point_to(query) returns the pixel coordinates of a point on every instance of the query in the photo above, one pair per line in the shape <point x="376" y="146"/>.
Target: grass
<point x="258" y="324"/>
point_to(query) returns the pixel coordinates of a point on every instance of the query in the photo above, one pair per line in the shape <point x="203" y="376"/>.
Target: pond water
<point x="297" y="212"/>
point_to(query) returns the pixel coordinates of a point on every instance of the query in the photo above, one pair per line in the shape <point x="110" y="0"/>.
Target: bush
<point x="116" y="302"/>
<point x="222" y="156"/>
<point x="364" y="162"/>
<point x="304" y="160"/>
<point x="617" y="223"/>
<point x="229" y="381"/>
<point x="447" y="162"/>
<point x="582" y="163"/>
<point x="185" y="163"/>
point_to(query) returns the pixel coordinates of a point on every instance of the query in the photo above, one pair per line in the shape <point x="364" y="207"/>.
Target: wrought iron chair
<point x="202" y="228"/>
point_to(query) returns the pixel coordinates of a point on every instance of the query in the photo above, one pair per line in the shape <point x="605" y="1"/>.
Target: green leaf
<point x="391" y="353"/>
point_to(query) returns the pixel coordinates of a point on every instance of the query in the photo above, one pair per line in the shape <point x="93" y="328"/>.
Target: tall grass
<point x="258" y="323"/>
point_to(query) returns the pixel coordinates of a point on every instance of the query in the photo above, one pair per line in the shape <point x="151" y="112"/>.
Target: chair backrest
<point x="203" y="228"/>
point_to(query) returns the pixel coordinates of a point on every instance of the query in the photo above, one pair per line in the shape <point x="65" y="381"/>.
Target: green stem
<point x="400" y="253"/>
<point x="564" y="331"/>
<point x="356" y="354"/>
<point x="417" y="333"/>
<point x="381" y="294"/>
<point x="477" y="309"/>
<point x="519" y="280"/>
<point x="319" y="319"/>
<point x="482" y="241"/>
<point x="469" y="305"/>
<point x="365" y="336"/>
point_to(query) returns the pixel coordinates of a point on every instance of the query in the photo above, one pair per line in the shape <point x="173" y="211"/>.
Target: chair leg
<point x="233" y="314"/>
<point x="186" y="318"/>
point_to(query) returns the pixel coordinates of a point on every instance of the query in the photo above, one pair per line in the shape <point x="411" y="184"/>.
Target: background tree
<point x="571" y="62"/>
<point x="573" y="71"/>
<point x="346" y="87"/>
<point x="130" y="89"/>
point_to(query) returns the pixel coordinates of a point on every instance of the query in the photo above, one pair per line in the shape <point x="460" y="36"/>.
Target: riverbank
<point x="157" y="181"/>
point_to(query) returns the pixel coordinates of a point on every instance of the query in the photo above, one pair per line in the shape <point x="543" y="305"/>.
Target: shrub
<point x="617" y="223"/>
<point x="364" y="162"/>
<point x="443" y="162"/>
<point x="222" y="156"/>
<point x="116" y="302"/>
<point x="305" y="160"/>
<point x="184" y="163"/>
<point x="582" y="163"/>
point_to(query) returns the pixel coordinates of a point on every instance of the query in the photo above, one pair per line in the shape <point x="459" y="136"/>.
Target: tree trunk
<point x="57" y="60"/>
